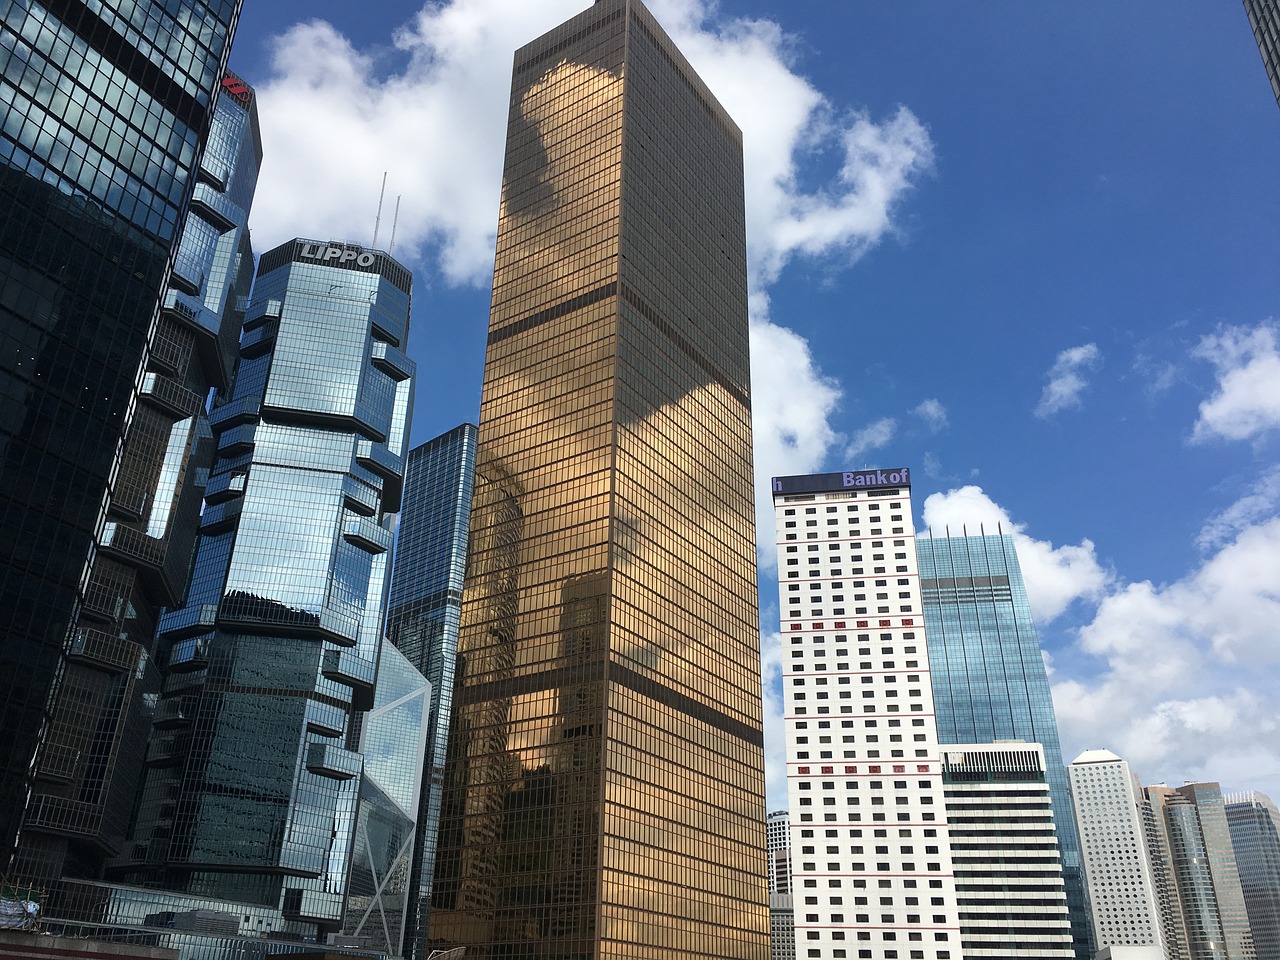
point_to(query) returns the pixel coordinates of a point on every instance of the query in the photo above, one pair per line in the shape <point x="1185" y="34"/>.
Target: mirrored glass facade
<point x="253" y="767"/>
<point x="426" y="610"/>
<point x="393" y="741"/>
<point x="1254" y="822"/>
<point x="989" y="678"/>
<point x="104" y="112"/>
<point x="604" y="789"/>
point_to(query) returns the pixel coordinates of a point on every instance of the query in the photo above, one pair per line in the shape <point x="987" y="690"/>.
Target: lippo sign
<point x="337" y="256"/>
<point x="852" y="480"/>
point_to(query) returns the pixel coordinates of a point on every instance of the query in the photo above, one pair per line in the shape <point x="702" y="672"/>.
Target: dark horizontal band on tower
<point x="629" y="294"/>
<point x="560" y="677"/>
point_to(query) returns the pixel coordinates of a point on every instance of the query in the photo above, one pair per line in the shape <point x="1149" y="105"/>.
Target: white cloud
<point x="1055" y="576"/>
<point x="791" y="404"/>
<point x="1262" y="502"/>
<point x="1247" y="401"/>
<point x="871" y="437"/>
<point x="775" y="743"/>
<point x="1067" y="379"/>
<point x="933" y="413"/>
<point x="1189" y="688"/>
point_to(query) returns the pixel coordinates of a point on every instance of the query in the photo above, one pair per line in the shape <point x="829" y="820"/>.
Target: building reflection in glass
<point x="604" y="787"/>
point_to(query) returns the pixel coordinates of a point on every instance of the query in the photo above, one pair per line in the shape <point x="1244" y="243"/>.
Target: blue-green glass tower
<point x="426" y="610"/>
<point x="989" y="679"/>
<point x="253" y="769"/>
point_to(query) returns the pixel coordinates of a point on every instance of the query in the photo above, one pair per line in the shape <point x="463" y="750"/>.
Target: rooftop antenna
<point x="377" y="220"/>
<point x="394" y="220"/>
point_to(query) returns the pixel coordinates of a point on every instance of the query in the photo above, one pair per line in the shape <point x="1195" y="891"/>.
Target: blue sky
<point x="1028" y="249"/>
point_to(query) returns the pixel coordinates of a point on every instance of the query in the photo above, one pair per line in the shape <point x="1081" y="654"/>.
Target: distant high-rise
<point x="1254" y="822"/>
<point x="253" y="770"/>
<point x="1264" y="18"/>
<point x="870" y="856"/>
<point x="1113" y="839"/>
<point x="782" y="926"/>
<point x="989" y="679"/>
<point x="1192" y="837"/>
<point x="1013" y="901"/>
<point x="104" y="114"/>
<point x="425" y="613"/>
<point x="604" y="789"/>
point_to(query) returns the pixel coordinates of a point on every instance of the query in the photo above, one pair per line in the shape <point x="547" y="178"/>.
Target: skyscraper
<point x="425" y="613"/>
<point x="782" y="924"/>
<point x="276" y="647"/>
<point x="1192" y="837"/>
<point x="1013" y="902"/>
<point x="1113" y="839"/>
<point x="1254" y="822"/>
<point x="105" y="113"/>
<point x="1264" y="18"/>
<point x="989" y="679"/>
<point x="870" y="855"/>
<point x="604" y="792"/>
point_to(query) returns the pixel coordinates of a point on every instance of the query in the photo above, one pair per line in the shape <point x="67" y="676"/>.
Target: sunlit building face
<point x="604" y="788"/>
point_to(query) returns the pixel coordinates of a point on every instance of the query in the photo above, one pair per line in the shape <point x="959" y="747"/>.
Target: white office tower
<point x="1009" y="888"/>
<point x="782" y="928"/>
<point x="1117" y="866"/>
<point x="871" y="864"/>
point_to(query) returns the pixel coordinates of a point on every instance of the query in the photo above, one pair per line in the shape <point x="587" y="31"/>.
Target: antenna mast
<point x="394" y="220"/>
<point x="377" y="220"/>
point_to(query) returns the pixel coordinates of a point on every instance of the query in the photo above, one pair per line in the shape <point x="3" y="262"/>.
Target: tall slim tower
<point x="1254" y="822"/>
<point x="604" y="793"/>
<point x="425" y="613"/>
<point x="870" y="853"/>
<point x="989" y="680"/>
<point x="104" y="112"/>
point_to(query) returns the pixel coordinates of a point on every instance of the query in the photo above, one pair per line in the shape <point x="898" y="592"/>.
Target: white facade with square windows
<point x="1117" y="864"/>
<point x="872" y="876"/>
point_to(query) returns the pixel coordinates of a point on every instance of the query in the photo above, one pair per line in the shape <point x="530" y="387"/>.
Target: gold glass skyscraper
<point x="604" y="793"/>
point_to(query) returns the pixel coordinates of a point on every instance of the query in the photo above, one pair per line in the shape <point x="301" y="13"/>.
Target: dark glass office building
<point x="104" y="112"/>
<point x="425" y="612"/>
<point x="604" y="788"/>
<point x="989" y="678"/>
<point x="253" y="767"/>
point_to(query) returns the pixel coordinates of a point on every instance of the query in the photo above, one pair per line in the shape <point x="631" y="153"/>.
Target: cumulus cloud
<point x="1189" y="687"/>
<point x="1260" y="503"/>
<point x="1247" y="400"/>
<point x="933" y="413"/>
<point x="791" y="404"/>
<point x="775" y="741"/>
<point x="872" y="437"/>
<point x="1055" y="576"/>
<point x="1066" y="379"/>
